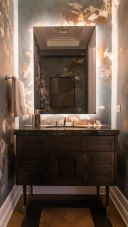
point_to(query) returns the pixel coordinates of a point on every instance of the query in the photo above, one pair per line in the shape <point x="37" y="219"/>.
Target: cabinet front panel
<point x="100" y="176"/>
<point x="95" y="159"/>
<point x="36" y="171"/>
<point x="100" y="143"/>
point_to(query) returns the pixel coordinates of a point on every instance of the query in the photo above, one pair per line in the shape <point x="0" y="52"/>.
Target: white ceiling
<point x="69" y="37"/>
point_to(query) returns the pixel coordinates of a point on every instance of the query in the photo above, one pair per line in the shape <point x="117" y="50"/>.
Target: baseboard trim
<point x="120" y="202"/>
<point x="9" y="205"/>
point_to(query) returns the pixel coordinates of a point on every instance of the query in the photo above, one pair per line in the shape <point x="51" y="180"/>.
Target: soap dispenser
<point x="37" y="117"/>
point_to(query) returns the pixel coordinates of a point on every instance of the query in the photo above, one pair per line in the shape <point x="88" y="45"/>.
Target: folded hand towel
<point x="18" y="107"/>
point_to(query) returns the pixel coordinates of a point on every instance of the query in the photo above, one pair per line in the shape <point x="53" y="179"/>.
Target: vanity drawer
<point x="99" y="143"/>
<point x="68" y="143"/>
<point x="34" y="143"/>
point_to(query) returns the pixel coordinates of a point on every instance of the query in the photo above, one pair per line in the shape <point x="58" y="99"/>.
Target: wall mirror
<point x="65" y="69"/>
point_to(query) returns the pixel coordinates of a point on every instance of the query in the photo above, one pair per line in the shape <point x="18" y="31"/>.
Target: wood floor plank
<point x="16" y="219"/>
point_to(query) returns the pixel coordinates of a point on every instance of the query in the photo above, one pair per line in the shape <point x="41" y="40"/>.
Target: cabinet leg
<point x="31" y="190"/>
<point x="97" y="190"/>
<point x="24" y="195"/>
<point x="24" y="199"/>
<point x="107" y="199"/>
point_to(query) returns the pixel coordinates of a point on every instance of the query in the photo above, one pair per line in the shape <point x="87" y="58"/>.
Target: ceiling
<point x="58" y="37"/>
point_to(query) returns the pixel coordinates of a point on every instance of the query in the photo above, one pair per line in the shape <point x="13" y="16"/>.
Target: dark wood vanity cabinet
<point x="66" y="160"/>
<point x="66" y="157"/>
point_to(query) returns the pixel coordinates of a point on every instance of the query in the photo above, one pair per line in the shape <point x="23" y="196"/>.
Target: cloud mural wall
<point x="6" y="68"/>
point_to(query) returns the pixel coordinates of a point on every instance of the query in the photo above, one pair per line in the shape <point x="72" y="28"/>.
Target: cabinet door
<point x="33" y="160"/>
<point x="37" y="171"/>
<point x="99" y="168"/>
<point x="99" y="162"/>
<point x="67" y="168"/>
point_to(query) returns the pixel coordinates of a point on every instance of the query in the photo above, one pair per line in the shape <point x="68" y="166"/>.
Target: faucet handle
<point x="73" y="123"/>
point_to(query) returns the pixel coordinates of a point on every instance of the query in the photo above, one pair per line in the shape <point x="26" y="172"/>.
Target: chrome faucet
<point x="73" y="123"/>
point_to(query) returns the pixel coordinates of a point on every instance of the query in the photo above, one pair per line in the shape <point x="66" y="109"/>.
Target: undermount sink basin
<point x="62" y="126"/>
<point x="73" y="126"/>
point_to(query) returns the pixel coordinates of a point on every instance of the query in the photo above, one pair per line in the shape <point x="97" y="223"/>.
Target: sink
<point x="62" y="126"/>
<point x="74" y="126"/>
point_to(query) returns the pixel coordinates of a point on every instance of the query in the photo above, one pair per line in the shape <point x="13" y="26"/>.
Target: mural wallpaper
<point x="84" y="12"/>
<point x="6" y="68"/>
<point x="122" y="98"/>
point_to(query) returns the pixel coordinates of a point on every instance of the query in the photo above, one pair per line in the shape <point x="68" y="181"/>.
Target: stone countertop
<point x="62" y="130"/>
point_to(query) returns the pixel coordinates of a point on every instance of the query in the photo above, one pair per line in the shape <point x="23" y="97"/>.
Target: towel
<point x="18" y="107"/>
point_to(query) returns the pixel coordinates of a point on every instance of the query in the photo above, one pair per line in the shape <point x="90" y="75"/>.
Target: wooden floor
<point x="44" y="213"/>
<point x="66" y="217"/>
